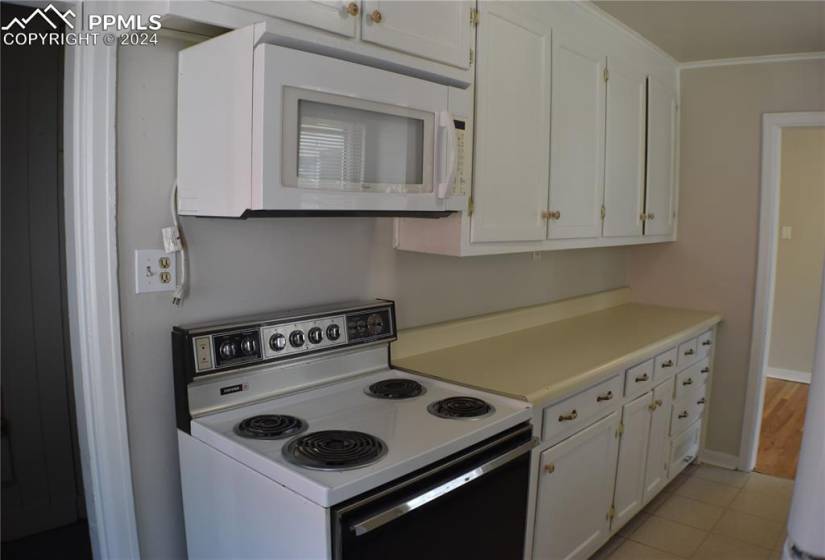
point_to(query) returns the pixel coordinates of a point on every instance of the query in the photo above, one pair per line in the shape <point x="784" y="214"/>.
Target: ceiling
<point x="706" y="30"/>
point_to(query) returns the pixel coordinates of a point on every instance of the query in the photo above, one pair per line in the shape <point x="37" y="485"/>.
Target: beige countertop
<point x="543" y="363"/>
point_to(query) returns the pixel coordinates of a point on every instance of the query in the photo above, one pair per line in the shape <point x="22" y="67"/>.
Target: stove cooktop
<point x="352" y="441"/>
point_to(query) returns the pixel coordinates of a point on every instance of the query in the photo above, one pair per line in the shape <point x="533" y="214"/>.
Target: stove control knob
<point x="228" y="350"/>
<point x="296" y="338"/>
<point x="333" y="332"/>
<point x="315" y="335"/>
<point x="277" y="342"/>
<point x="249" y="345"/>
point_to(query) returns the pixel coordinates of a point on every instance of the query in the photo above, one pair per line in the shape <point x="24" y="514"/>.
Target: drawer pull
<point x="705" y="370"/>
<point x="642" y="378"/>
<point x="668" y="363"/>
<point x="567" y="417"/>
<point x="683" y="414"/>
<point x="605" y="397"/>
<point x="706" y="343"/>
<point x="690" y="352"/>
<point x="688" y="381"/>
<point x="701" y="401"/>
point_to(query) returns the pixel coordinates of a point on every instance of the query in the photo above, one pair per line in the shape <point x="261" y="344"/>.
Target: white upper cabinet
<point x="661" y="159"/>
<point x="625" y="150"/>
<point x="439" y="31"/>
<point x="334" y="16"/>
<point x="577" y="137"/>
<point x="512" y="126"/>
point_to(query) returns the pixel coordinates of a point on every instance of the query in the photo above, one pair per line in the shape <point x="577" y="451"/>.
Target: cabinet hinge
<point x="606" y="74"/>
<point x="474" y="16"/>
<point x="471" y="207"/>
<point x="604" y="212"/>
<point x="472" y="57"/>
<point x="611" y="513"/>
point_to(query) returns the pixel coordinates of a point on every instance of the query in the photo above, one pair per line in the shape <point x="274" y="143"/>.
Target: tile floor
<point x="708" y="513"/>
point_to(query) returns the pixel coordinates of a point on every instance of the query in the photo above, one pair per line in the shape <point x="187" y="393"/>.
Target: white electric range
<point x="299" y="440"/>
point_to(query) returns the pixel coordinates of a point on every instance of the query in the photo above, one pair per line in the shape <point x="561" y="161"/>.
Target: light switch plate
<point x="155" y="271"/>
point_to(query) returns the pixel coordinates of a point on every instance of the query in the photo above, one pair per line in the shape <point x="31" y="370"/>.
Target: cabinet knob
<point x="550" y="214"/>
<point x="376" y="17"/>
<point x="567" y="417"/>
<point x="652" y="406"/>
<point x="606" y="397"/>
<point x="659" y="402"/>
<point x="549" y="468"/>
<point x="352" y="8"/>
<point x="650" y="215"/>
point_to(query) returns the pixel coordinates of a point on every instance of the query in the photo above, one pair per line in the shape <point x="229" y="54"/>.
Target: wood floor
<point x="781" y="434"/>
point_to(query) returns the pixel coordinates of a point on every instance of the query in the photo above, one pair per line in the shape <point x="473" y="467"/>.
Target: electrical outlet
<point x="155" y="271"/>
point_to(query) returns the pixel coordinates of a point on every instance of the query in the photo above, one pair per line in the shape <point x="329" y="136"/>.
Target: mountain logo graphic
<point x="56" y="16"/>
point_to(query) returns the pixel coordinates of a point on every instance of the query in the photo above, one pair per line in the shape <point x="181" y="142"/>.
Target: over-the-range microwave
<point x="269" y="130"/>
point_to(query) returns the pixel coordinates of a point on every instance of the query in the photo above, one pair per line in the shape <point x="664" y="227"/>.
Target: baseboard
<point x="789" y="375"/>
<point x="719" y="459"/>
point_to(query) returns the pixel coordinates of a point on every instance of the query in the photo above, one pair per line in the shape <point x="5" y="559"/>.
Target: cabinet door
<point x="512" y="126"/>
<point x="438" y="31"/>
<point x="661" y="159"/>
<point x="329" y="15"/>
<point x="659" y="443"/>
<point x="577" y="138"/>
<point x="630" y="474"/>
<point x="624" y="172"/>
<point x="575" y="492"/>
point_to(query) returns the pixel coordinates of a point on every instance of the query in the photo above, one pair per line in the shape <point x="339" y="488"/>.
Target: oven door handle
<point x="384" y="517"/>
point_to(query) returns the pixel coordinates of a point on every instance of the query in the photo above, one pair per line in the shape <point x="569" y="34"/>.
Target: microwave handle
<point x="446" y="121"/>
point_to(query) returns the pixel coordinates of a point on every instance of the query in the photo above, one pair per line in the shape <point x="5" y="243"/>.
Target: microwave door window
<point x="348" y="149"/>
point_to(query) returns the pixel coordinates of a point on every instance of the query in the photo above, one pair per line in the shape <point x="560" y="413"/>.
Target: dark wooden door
<point x="41" y="482"/>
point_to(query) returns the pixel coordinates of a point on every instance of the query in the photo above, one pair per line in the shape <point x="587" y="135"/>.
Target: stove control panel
<point x="296" y="338"/>
<point x="219" y="348"/>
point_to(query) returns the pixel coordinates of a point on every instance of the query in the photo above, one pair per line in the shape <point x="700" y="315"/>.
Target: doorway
<point x="789" y="287"/>
<point x="43" y="513"/>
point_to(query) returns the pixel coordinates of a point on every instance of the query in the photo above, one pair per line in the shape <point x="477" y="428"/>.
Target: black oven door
<point x="470" y="505"/>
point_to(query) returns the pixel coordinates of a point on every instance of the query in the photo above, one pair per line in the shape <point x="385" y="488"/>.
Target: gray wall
<point x="238" y="267"/>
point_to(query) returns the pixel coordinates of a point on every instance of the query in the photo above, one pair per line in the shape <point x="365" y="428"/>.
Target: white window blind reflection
<point x="352" y="149"/>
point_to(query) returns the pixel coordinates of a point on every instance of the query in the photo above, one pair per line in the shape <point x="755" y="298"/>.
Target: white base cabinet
<point x="575" y="492"/>
<point x="608" y="456"/>
<point x="633" y="447"/>
<point x="658" y="451"/>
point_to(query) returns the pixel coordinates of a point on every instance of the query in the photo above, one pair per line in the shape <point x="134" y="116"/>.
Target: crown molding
<point x="771" y="58"/>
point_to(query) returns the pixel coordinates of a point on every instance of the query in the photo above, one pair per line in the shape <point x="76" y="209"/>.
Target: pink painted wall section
<point x="712" y="266"/>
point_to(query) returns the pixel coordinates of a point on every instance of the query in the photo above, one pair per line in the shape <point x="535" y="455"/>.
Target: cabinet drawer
<point x="687" y="410"/>
<point x="638" y="379"/>
<point x="683" y="449"/>
<point x="577" y="411"/>
<point x="690" y="378"/>
<point x="704" y="344"/>
<point x="687" y="353"/>
<point x="664" y="365"/>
